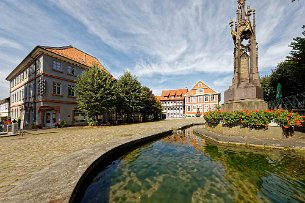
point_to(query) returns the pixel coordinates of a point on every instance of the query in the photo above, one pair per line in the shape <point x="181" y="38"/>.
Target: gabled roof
<point x="173" y="94"/>
<point x="200" y="85"/>
<point x="69" y="53"/>
<point x="77" y="55"/>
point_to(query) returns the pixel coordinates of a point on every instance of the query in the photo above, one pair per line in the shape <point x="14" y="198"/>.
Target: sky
<point x="167" y="44"/>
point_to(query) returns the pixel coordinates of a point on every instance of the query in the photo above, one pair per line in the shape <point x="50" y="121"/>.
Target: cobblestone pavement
<point x="45" y="165"/>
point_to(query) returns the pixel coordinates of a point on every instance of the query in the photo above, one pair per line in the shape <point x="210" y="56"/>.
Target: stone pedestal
<point x="245" y="105"/>
<point x="244" y="93"/>
<point x="244" y="98"/>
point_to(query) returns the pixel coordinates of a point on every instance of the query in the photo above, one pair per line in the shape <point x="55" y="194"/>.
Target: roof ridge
<point x="66" y="47"/>
<point x="62" y="47"/>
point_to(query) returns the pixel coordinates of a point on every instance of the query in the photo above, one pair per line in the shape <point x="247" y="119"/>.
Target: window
<point x="213" y="97"/>
<point x="206" y="98"/>
<point x="200" y="99"/>
<point x="200" y="91"/>
<point x="32" y="69"/>
<point x="194" y="108"/>
<point x="199" y="85"/>
<point x="200" y="108"/>
<point x="188" y="99"/>
<point x="71" y="90"/>
<point x="194" y="99"/>
<point x="57" y="88"/>
<point x="70" y="70"/>
<point x="57" y="66"/>
<point x="25" y="92"/>
<point x="38" y="66"/>
<point x="29" y="87"/>
<point x="79" y="116"/>
<point x="206" y="108"/>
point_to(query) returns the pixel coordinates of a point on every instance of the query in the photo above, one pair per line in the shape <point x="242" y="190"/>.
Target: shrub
<point x="254" y="119"/>
<point x="63" y="124"/>
<point x="213" y="117"/>
<point x="231" y="118"/>
<point x="92" y="122"/>
<point x="287" y="119"/>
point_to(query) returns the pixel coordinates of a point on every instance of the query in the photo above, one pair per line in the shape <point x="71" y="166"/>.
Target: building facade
<point x="200" y="99"/>
<point x="42" y="86"/>
<point x="4" y="109"/>
<point x="172" y="102"/>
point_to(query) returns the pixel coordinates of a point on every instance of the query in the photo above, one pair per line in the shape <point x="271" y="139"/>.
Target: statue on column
<point x="246" y="85"/>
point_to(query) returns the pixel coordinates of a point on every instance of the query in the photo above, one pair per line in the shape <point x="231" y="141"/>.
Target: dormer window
<point x="70" y="70"/>
<point x="57" y="66"/>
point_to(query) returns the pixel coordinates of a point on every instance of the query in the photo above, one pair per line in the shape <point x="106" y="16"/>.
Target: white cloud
<point x="171" y="38"/>
<point x="223" y="82"/>
<point x="4" y="42"/>
<point x="150" y="38"/>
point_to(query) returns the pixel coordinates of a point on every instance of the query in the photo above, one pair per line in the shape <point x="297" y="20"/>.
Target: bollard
<point x="8" y="126"/>
<point x="14" y="128"/>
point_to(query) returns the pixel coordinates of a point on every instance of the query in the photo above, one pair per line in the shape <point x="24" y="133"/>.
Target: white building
<point x="4" y="108"/>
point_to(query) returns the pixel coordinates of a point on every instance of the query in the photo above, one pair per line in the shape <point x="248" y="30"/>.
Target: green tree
<point x="149" y="104"/>
<point x="290" y="73"/>
<point x="128" y="90"/>
<point x="95" y="93"/>
<point x="286" y="75"/>
<point x="267" y="88"/>
<point x="297" y="58"/>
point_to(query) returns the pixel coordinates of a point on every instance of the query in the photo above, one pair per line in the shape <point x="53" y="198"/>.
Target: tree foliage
<point x="149" y="104"/>
<point x="267" y="88"/>
<point x="95" y="92"/>
<point x="129" y="94"/>
<point x="99" y="94"/>
<point x="290" y="73"/>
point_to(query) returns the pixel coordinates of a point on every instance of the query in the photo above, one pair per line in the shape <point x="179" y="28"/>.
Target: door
<point x="50" y="119"/>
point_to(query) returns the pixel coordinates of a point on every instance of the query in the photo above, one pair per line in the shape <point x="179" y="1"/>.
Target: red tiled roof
<point x="77" y="55"/>
<point x="168" y="94"/>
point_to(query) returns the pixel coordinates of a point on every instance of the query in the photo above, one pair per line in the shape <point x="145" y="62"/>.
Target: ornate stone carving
<point x="245" y="84"/>
<point x="241" y="2"/>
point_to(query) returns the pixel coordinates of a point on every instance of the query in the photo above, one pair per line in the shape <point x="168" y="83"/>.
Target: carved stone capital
<point x="241" y="2"/>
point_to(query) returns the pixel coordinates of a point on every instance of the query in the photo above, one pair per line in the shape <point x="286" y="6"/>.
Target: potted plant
<point x="287" y="120"/>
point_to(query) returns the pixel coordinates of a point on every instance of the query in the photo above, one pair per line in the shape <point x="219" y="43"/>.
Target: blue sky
<point x="167" y="44"/>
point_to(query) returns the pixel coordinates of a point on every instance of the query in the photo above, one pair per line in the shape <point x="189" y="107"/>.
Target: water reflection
<point x="184" y="167"/>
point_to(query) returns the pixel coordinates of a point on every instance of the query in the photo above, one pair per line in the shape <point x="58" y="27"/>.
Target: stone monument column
<point x="245" y="91"/>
